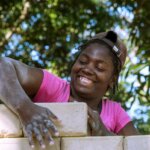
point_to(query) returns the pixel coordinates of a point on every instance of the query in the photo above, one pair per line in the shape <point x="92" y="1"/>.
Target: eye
<point x="100" y="69"/>
<point x="83" y="61"/>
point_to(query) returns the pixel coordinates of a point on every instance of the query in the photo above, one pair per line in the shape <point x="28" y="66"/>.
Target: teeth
<point x="85" y="80"/>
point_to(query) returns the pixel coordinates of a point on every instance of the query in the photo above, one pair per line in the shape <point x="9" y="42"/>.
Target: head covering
<point x="111" y="39"/>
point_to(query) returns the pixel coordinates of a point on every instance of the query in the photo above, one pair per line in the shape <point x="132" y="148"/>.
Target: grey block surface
<point x="93" y="143"/>
<point x="137" y="142"/>
<point x="22" y="144"/>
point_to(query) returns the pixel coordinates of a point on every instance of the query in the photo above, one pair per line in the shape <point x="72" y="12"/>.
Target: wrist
<point x="22" y="106"/>
<point x="103" y="131"/>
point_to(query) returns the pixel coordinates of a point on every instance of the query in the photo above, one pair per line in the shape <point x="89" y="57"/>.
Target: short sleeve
<point x="122" y="118"/>
<point x="52" y="89"/>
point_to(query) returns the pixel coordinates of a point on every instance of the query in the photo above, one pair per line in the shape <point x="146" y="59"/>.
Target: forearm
<point x="97" y="126"/>
<point x="103" y="131"/>
<point x="17" y="83"/>
<point x="11" y="92"/>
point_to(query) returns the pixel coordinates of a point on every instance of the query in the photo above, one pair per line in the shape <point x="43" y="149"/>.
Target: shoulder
<point x="52" y="89"/>
<point x="117" y="116"/>
<point x="49" y="76"/>
<point x="110" y="102"/>
<point x="115" y="108"/>
<point x="112" y="106"/>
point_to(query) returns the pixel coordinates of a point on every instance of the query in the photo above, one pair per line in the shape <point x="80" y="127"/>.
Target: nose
<point x="88" y="69"/>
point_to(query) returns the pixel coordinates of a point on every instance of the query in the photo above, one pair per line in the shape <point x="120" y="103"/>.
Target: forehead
<point x="98" y="52"/>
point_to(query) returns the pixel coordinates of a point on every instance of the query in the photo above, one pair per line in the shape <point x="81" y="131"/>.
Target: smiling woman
<point x="94" y="72"/>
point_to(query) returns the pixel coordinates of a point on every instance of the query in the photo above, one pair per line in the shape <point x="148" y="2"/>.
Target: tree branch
<point x="26" y="6"/>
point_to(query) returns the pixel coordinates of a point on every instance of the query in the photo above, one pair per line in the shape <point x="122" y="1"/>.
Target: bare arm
<point x="18" y="83"/>
<point x="99" y="129"/>
<point x="30" y="78"/>
<point x="128" y="130"/>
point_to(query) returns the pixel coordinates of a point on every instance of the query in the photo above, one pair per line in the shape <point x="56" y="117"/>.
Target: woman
<point x="94" y="72"/>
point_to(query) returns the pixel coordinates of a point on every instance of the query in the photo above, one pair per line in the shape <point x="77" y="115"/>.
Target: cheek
<point x="105" y="78"/>
<point x="73" y="70"/>
<point x="75" y="67"/>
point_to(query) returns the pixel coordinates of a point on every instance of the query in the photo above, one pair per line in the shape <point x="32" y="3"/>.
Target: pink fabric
<point x="113" y="116"/>
<point x="54" y="89"/>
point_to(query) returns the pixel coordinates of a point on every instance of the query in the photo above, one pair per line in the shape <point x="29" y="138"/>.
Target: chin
<point x="81" y="91"/>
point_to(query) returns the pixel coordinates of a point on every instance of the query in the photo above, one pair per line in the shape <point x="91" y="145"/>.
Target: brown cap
<point x="111" y="38"/>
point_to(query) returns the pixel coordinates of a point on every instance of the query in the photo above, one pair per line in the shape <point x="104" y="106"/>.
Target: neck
<point x="94" y="103"/>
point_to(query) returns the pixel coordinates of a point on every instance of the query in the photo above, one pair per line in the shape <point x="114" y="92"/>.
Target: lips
<point x="84" y="81"/>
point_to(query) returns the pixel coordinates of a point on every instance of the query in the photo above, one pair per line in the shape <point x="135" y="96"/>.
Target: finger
<point x="93" y="113"/>
<point x="49" y="124"/>
<point x="39" y="137"/>
<point x="50" y="140"/>
<point x="36" y="129"/>
<point x="48" y="136"/>
<point x="51" y="114"/>
<point x="31" y="143"/>
<point x="91" y="123"/>
<point x="35" y="124"/>
<point x="90" y="112"/>
<point x="53" y="117"/>
<point x="29" y="135"/>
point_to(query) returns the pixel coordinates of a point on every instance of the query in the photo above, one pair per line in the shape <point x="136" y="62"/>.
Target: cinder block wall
<point x="74" y="133"/>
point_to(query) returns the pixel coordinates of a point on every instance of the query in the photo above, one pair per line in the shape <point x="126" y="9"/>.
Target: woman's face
<point x="92" y="72"/>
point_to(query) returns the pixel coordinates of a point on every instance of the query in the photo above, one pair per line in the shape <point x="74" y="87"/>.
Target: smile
<point x="85" y="81"/>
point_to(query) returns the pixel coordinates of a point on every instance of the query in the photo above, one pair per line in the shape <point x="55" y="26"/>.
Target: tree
<point x="138" y="64"/>
<point x="45" y="33"/>
<point x="42" y="32"/>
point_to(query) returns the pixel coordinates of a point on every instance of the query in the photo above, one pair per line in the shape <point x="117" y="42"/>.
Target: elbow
<point x="5" y="60"/>
<point x="6" y="64"/>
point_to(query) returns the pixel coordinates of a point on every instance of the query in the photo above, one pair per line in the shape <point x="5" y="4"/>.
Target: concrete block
<point x="73" y="117"/>
<point x="22" y="144"/>
<point x="137" y="142"/>
<point x="9" y="123"/>
<point x="92" y="143"/>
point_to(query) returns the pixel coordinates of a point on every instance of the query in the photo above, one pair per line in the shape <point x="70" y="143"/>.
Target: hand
<point x="38" y="121"/>
<point x="96" y="124"/>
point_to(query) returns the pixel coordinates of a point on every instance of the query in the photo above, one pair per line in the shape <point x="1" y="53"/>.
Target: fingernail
<point x="51" y="142"/>
<point x="43" y="146"/>
<point x="56" y="133"/>
<point x="75" y="101"/>
<point x="32" y="146"/>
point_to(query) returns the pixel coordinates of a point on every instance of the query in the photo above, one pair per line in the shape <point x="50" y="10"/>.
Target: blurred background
<point x="46" y="34"/>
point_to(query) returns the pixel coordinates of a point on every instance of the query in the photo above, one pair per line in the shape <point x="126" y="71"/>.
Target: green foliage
<point x="142" y="123"/>
<point x="43" y="34"/>
<point x="49" y="30"/>
<point x="135" y="81"/>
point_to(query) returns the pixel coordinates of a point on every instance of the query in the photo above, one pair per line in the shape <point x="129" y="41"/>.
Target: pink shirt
<point x="55" y="89"/>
